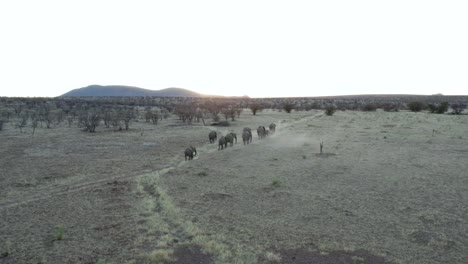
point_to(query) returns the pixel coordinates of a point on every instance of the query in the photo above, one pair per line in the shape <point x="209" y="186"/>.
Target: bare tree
<point x="255" y="108"/>
<point x="89" y="119"/>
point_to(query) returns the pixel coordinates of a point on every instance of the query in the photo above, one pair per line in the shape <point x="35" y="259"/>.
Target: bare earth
<point x="389" y="188"/>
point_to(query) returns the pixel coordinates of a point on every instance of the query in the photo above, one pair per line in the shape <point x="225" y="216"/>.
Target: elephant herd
<point x="231" y="138"/>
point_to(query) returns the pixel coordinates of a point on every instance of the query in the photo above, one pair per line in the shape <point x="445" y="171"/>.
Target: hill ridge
<point x="124" y="90"/>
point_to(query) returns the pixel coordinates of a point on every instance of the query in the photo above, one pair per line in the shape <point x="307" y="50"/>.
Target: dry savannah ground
<point x="388" y="188"/>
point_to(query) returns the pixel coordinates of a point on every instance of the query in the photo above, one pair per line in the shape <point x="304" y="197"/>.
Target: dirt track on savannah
<point x="380" y="191"/>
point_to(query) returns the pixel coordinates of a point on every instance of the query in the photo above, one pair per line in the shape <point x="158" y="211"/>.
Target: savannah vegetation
<point x="104" y="180"/>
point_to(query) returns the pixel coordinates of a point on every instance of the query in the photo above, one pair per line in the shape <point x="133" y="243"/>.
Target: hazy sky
<point x="256" y="48"/>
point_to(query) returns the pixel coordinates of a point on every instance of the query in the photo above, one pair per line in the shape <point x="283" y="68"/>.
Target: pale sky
<point x="256" y="48"/>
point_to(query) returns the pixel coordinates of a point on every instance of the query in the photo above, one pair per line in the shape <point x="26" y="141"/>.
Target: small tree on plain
<point x="416" y="106"/>
<point x="89" y="119"/>
<point x="288" y="107"/>
<point x="330" y="110"/>
<point x="255" y="108"/>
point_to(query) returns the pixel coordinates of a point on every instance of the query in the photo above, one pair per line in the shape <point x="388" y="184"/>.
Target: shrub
<point x="390" y="107"/>
<point x="288" y="107"/>
<point x="330" y="110"/>
<point x="432" y="108"/>
<point x="1" y="124"/>
<point x="442" y="108"/>
<point x="415" y="106"/>
<point x="369" y="107"/>
<point x="457" y="108"/>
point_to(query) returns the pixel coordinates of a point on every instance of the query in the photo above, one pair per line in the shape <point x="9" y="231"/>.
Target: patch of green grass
<point x="276" y="183"/>
<point x="6" y="250"/>
<point x="102" y="261"/>
<point x="59" y="232"/>
<point x="159" y="256"/>
<point x="202" y="174"/>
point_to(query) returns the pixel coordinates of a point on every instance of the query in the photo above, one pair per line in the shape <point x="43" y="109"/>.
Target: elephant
<point x="261" y="132"/>
<point x="272" y="128"/>
<point x="212" y="136"/>
<point x="229" y="139"/>
<point x="190" y="152"/>
<point x="222" y="143"/>
<point x="246" y="137"/>
<point x="234" y="136"/>
<point x="249" y="131"/>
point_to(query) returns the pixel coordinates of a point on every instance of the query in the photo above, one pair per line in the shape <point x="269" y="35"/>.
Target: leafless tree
<point x="255" y="108"/>
<point x="89" y="119"/>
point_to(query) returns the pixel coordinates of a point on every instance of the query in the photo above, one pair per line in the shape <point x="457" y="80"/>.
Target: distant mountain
<point x="120" y="90"/>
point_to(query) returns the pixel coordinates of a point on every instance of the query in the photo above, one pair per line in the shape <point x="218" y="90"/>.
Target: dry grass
<point x="385" y="184"/>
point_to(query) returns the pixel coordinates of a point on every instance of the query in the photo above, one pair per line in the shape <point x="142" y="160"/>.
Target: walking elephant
<point x="222" y="143"/>
<point x="230" y="139"/>
<point x="272" y="128"/>
<point x="249" y="132"/>
<point x="246" y="137"/>
<point x="212" y="136"/>
<point x="261" y="132"/>
<point x="190" y="152"/>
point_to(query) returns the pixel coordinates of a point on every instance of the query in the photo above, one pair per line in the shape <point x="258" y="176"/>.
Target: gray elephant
<point x="272" y="128"/>
<point x="246" y="137"/>
<point x="249" y="131"/>
<point x="222" y="143"/>
<point x="230" y="139"/>
<point x="261" y="132"/>
<point x="212" y="136"/>
<point x="190" y="152"/>
<point x="234" y="136"/>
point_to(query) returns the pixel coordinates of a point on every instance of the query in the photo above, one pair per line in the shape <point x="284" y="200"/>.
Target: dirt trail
<point x="173" y="163"/>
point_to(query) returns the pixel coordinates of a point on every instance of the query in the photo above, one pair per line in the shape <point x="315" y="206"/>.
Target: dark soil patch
<point x="325" y="155"/>
<point x="191" y="255"/>
<point x="302" y="256"/>
<point x="216" y="196"/>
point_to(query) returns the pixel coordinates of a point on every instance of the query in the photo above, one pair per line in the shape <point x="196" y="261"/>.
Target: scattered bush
<point x="457" y="108"/>
<point x="221" y="123"/>
<point x="330" y="110"/>
<point x="439" y="109"/>
<point x="390" y="107"/>
<point x="369" y="107"/>
<point x="288" y="107"/>
<point x="415" y="106"/>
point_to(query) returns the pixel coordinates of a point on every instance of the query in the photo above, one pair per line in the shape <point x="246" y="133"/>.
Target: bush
<point x="415" y="106"/>
<point x="1" y="124"/>
<point x="222" y="123"/>
<point x="439" y="109"/>
<point x="330" y="110"/>
<point x="390" y="107"/>
<point x="457" y="108"/>
<point x="288" y="107"/>
<point x="369" y="107"/>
